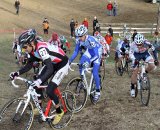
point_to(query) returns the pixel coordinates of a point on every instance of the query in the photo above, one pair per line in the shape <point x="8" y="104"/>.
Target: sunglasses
<point x="24" y="47"/>
<point x="139" y="44"/>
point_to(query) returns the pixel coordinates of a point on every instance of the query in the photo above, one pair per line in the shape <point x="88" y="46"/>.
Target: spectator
<point x="72" y="27"/>
<point x="45" y="25"/>
<point x="108" y="38"/>
<point x="97" y="27"/>
<point x="17" y="4"/>
<point x="134" y="34"/>
<point x="109" y="8"/>
<point x="110" y="30"/>
<point x="95" y="21"/>
<point x="85" y="23"/>
<point x="115" y="6"/>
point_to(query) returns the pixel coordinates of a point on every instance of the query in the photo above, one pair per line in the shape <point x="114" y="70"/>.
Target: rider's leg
<point x="61" y="70"/>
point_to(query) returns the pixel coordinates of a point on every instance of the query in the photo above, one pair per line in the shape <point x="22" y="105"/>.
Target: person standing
<point x="72" y="27"/>
<point x="45" y="25"/>
<point x="109" y="8"/>
<point x="17" y="4"/>
<point x="134" y="34"/>
<point x="115" y="8"/>
<point x="85" y="23"/>
<point x="95" y="21"/>
<point x="110" y="30"/>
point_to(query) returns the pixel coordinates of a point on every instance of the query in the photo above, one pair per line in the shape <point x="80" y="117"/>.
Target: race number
<point x="43" y="53"/>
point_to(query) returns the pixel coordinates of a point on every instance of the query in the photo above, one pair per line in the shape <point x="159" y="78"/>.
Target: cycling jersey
<point x="57" y="42"/>
<point x="49" y="54"/>
<point x="92" y="54"/>
<point x="104" y="44"/>
<point x="138" y="53"/>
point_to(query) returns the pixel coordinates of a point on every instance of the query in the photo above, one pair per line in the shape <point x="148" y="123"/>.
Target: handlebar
<point x="88" y="70"/>
<point x="22" y="79"/>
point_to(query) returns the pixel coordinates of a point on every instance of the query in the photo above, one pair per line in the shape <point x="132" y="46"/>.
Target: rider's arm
<point x="29" y="65"/>
<point x="153" y="49"/>
<point x="75" y="53"/>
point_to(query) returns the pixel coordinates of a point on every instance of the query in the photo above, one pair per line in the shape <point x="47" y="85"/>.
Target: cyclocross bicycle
<point x="18" y="113"/>
<point x="124" y="66"/>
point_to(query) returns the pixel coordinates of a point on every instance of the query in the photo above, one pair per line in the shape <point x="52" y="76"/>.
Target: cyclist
<point x="55" y="40"/>
<point x="92" y="55"/>
<point x="122" y="49"/>
<point x="139" y="50"/>
<point x="101" y="39"/>
<point x="64" y="43"/>
<point x="55" y="64"/>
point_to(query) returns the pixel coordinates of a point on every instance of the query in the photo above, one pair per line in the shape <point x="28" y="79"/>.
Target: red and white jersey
<point x="46" y="50"/>
<point x="57" y="42"/>
<point x="103" y="42"/>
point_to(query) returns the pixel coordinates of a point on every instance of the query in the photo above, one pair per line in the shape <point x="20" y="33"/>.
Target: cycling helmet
<point x="81" y="31"/>
<point x="62" y="38"/>
<point x="27" y="37"/>
<point x="139" y="39"/>
<point x="127" y="37"/>
<point x="97" y="35"/>
<point x="54" y="36"/>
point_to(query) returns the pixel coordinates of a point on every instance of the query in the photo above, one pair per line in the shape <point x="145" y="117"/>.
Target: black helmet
<point x="27" y="37"/>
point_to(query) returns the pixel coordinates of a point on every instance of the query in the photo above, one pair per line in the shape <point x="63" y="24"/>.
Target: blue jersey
<point x="125" y="46"/>
<point x="93" y="49"/>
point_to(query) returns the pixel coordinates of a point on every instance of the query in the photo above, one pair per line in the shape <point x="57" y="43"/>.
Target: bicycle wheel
<point x="127" y="66"/>
<point x="92" y="92"/>
<point x="145" y="90"/>
<point x="77" y="86"/>
<point x="102" y="71"/>
<point x="119" y="70"/>
<point x="11" y="115"/>
<point x="67" y="104"/>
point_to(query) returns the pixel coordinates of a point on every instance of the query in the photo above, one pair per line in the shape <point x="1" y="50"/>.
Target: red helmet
<point x="54" y="36"/>
<point x="97" y="33"/>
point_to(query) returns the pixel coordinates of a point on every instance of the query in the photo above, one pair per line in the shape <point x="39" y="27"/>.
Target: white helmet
<point x="81" y="31"/>
<point x="127" y="37"/>
<point x="139" y="39"/>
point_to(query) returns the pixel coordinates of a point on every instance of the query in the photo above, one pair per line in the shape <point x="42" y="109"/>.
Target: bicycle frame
<point x="141" y="71"/>
<point x="88" y="87"/>
<point x="85" y="80"/>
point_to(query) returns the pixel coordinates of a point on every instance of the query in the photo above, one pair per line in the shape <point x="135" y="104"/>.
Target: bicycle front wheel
<point x="119" y="69"/>
<point x="77" y="86"/>
<point x="12" y="116"/>
<point x="92" y="92"/>
<point x="145" y="90"/>
<point x="102" y="71"/>
<point x="67" y="104"/>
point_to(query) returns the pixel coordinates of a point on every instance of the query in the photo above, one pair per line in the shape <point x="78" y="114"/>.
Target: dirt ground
<point x="116" y="110"/>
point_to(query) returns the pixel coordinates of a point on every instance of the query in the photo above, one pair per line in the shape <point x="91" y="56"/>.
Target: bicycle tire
<point x="15" y="121"/>
<point x="119" y="70"/>
<point x="129" y="72"/>
<point x="102" y="71"/>
<point x="92" y="92"/>
<point x="77" y="86"/>
<point x="69" y="101"/>
<point x="145" y="90"/>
